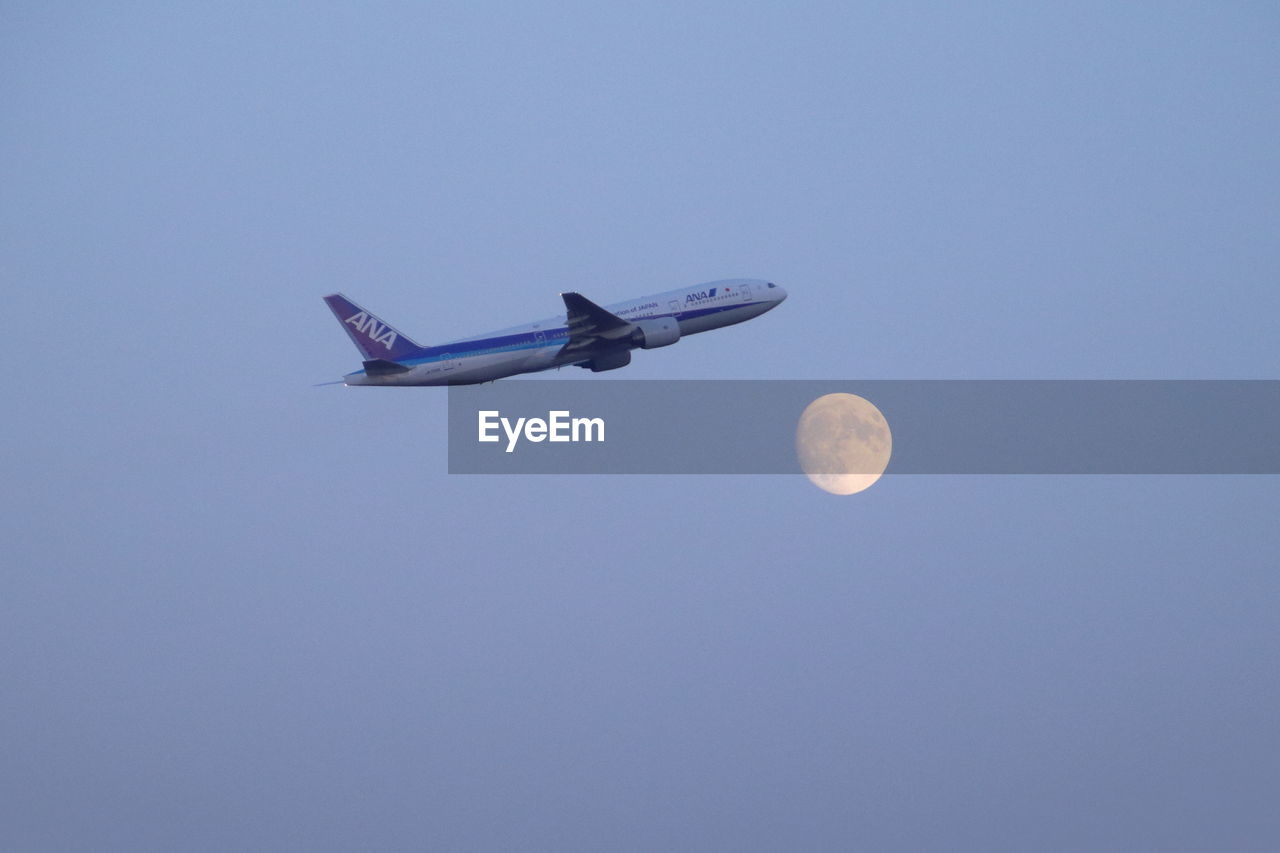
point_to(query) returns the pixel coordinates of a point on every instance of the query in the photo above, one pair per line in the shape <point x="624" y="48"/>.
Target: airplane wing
<point x="591" y="326"/>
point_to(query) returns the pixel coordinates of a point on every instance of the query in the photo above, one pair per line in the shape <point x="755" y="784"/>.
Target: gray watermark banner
<point x="937" y="427"/>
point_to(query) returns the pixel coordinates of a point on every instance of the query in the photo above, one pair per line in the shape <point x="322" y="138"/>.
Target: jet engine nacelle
<point x="657" y="332"/>
<point x="609" y="361"/>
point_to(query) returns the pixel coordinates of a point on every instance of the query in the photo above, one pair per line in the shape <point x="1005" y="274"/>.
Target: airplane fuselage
<point x="546" y="344"/>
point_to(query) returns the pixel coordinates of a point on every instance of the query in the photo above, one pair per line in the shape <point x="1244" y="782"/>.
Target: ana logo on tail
<point x="384" y="335"/>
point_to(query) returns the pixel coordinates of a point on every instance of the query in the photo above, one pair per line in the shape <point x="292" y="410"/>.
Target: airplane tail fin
<point x="376" y="340"/>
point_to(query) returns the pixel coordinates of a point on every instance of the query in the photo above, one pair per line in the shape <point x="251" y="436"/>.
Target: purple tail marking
<point x="374" y="338"/>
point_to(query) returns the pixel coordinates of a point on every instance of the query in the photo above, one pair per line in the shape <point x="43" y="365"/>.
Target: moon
<point x="843" y="442"/>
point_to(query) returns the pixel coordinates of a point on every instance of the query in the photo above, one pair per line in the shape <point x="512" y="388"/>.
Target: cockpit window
<point x="771" y="284"/>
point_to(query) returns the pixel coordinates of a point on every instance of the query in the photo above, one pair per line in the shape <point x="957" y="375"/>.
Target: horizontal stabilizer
<point x="382" y="367"/>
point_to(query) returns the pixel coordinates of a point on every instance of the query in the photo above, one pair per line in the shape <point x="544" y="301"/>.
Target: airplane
<point x="586" y="335"/>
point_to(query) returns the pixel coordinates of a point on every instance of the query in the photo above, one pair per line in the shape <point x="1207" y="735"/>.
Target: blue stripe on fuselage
<point x="528" y="340"/>
<point x="487" y="346"/>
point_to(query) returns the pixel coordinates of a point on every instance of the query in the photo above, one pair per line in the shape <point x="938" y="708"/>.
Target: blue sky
<point x="244" y="612"/>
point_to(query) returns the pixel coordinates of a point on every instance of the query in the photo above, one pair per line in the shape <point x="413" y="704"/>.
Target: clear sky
<point x="242" y="612"/>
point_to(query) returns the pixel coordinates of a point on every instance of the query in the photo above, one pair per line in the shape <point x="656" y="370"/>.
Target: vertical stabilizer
<point x="375" y="339"/>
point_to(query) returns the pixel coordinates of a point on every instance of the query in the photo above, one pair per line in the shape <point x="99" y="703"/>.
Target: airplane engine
<point x="658" y="332"/>
<point x="609" y="361"/>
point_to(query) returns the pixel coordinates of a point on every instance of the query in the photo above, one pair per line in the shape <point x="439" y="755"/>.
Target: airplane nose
<point x="780" y="295"/>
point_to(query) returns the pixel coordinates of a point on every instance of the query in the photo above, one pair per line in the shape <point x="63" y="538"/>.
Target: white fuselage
<point x="540" y="346"/>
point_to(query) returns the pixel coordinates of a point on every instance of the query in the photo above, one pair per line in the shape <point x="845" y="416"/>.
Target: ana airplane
<point x="586" y="335"/>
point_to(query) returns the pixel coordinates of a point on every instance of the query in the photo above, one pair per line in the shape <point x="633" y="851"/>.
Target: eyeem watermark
<point x="558" y="426"/>
<point x="997" y="426"/>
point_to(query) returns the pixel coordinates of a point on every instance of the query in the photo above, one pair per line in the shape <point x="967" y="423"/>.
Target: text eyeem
<point x="558" y="426"/>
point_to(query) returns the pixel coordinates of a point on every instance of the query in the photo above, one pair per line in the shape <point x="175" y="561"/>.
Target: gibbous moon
<point x="843" y="443"/>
